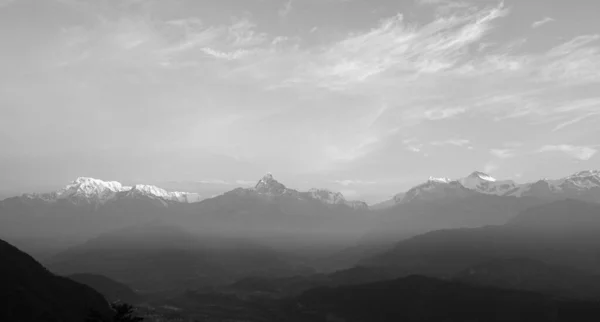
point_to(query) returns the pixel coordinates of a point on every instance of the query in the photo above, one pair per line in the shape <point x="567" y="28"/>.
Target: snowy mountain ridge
<point x="94" y="191"/>
<point x="583" y="184"/>
<point x="90" y="190"/>
<point x="580" y="183"/>
<point x="270" y="187"/>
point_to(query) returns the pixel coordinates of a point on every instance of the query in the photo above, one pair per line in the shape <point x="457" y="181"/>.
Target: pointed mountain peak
<point x="482" y="175"/>
<point x="268" y="185"/>
<point x="267" y="179"/>
<point x="90" y="187"/>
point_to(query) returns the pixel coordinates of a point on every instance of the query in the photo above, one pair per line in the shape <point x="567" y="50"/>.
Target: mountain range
<point x="271" y="211"/>
<point x="583" y="185"/>
<point x="280" y="241"/>
<point x="90" y="206"/>
<point x="84" y="190"/>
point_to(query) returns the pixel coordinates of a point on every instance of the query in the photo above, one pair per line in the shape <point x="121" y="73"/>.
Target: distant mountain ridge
<point x="85" y="190"/>
<point x="90" y="190"/>
<point x="561" y="233"/>
<point x="270" y="187"/>
<point x="88" y="207"/>
<point x="583" y="185"/>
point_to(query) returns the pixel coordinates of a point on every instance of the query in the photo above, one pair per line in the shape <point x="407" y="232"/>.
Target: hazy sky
<point x="363" y="96"/>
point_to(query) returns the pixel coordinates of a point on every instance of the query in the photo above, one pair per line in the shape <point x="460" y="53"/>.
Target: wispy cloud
<point x="400" y="47"/>
<point x="233" y="55"/>
<point x="443" y="113"/>
<point x="381" y="83"/>
<point x="582" y="153"/>
<point x="503" y="153"/>
<point x="577" y="111"/>
<point x="541" y="22"/>
<point x="455" y="142"/>
<point x="445" y="6"/>
<point x="349" y="182"/>
<point x="214" y="181"/>
<point x="412" y="145"/>
<point x="286" y="9"/>
<point x="245" y="182"/>
<point x="135" y="40"/>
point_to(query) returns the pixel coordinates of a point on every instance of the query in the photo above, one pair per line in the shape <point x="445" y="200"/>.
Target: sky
<point x="366" y="97"/>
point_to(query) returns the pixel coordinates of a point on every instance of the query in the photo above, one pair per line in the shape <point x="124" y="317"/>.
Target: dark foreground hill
<point x="423" y="299"/>
<point x="533" y="275"/>
<point x="414" y="298"/>
<point x="28" y="292"/>
<point x="112" y="290"/>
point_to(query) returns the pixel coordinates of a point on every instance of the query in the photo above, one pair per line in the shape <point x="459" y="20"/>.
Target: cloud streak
<point x="396" y="46"/>
<point x="582" y="153"/>
<point x="286" y="9"/>
<point x="455" y="142"/>
<point x="349" y="182"/>
<point x="541" y="22"/>
<point x="503" y="153"/>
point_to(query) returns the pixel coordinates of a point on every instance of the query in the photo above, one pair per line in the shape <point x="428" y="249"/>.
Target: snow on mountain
<point x="576" y="184"/>
<point x="84" y="187"/>
<point x="439" y="180"/>
<point x="441" y="188"/>
<point x="270" y="187"/>
<point x="434" y="189"/>
<point x="335" y="198"/>
<point x="486" y="184"/>
<point x="326" y="196"/>
<point x="583" y="180"/>
<point x="90" y="190"/>
<point x="141" y="190"/>
<point x="580" y="183"/>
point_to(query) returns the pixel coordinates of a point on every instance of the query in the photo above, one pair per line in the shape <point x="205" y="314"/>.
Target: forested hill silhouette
<point x="29" y="292"/>
<point x="423" y="299"/>
<point x="111" y="289"/>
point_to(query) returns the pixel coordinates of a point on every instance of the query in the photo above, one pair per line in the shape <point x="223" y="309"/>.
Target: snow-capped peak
<point x="335" y="198"/>
<point x="440" y="180"/>
<point x="327" y="196"/>
<point x="90" y="190"/>
<point x="582" y="182"/>
<point x="148" y="189"/>
<point x="486" y="184"/>
<point x="268" y="185"/>
<point x="482" y="176"/>
<point x="436" y="188"/>
<point x="156" y="192"/>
